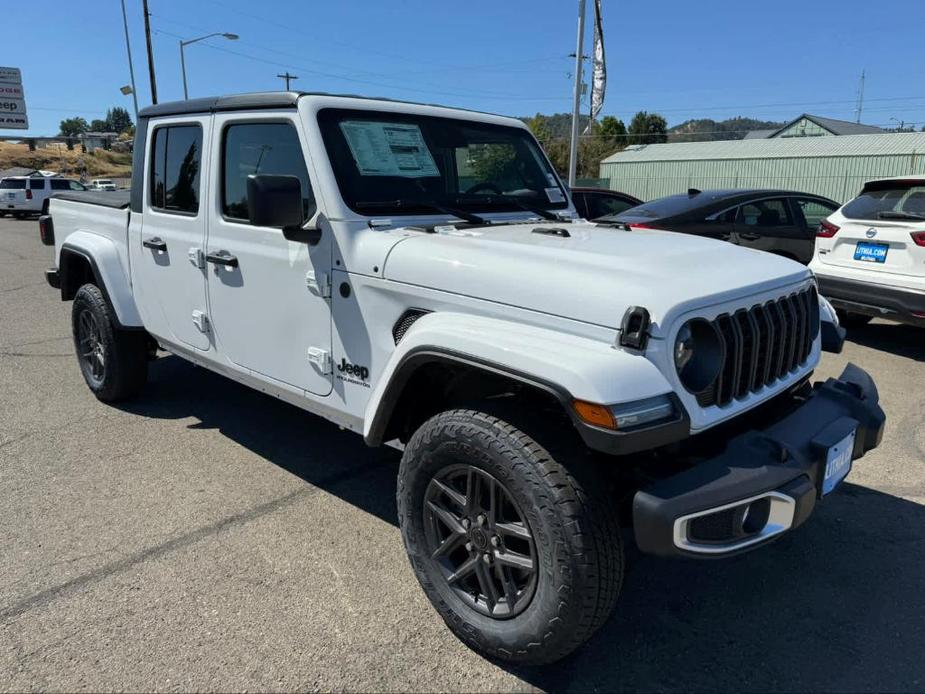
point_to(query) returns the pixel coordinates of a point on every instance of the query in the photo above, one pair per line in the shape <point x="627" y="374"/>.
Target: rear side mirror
<point x="276" y="201"/>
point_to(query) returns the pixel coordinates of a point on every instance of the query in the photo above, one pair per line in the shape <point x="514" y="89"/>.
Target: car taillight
<point x="826" y="230"/>
<point x="47" y="230"/>
<point x="28" y="194"/>
<point x="640" y="226"/>
<point x="918" y="237"/>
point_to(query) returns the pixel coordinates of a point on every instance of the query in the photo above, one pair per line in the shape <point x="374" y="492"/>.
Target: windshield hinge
<point x="319" y="283"/>
<point x="321" y="358"/>
<point x="379" y="223"/>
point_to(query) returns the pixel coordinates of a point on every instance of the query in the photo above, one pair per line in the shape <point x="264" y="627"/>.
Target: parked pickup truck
<point x="417" y="274"/>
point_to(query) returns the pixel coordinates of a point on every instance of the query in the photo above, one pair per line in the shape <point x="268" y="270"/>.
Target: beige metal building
<point x="835" y="167"/>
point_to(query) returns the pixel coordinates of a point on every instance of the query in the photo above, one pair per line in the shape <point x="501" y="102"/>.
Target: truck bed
<point x="92" y="218"/>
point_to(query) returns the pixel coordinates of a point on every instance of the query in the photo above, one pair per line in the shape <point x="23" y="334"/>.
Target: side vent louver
<point x="405" y="321"/>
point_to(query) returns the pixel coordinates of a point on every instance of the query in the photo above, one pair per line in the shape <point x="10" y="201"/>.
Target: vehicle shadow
<point x="839" y="605"/>
<point x="902" y="340"/>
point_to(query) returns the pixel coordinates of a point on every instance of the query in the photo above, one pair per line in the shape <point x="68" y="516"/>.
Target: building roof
<point x="758" y="134"/>
<point x="833" y="125"/>
<point x="16" y="171"/>
<point x="776" y="148"/>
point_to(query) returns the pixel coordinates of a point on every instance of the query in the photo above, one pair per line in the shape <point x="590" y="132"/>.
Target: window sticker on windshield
<point x="389" y="149"/>
<point x="554" y="195"/>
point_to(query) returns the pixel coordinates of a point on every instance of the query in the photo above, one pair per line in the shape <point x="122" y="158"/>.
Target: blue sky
<point x="711" y="59"/>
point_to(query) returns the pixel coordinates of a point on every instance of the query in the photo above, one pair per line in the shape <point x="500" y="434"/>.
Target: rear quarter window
<point x="13" y="184"/>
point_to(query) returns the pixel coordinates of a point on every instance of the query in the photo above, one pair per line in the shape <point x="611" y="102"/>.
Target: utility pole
<point x="288" y="77"/>
<point x="860" y="106"/>
<point x="576" y="108"/>
<point x="131" y="69"/>
<point x="144" y="4"/>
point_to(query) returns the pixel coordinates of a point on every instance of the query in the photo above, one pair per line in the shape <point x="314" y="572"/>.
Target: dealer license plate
<point x="838" y="463"/>
<point x="871" y="252"/>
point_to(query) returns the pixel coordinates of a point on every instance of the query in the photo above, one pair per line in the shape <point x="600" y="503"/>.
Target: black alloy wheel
<point x="481" y="541"/>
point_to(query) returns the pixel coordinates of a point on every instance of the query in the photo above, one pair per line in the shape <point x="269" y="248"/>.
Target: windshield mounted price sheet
<point x="389" y="149"/>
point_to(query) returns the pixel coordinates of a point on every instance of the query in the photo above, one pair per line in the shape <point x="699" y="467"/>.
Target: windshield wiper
<point x="900" y="215"/>
<point x="427" y="204"/>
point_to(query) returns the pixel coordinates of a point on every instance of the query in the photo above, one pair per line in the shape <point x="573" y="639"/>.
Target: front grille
<point x="762" y="344"/>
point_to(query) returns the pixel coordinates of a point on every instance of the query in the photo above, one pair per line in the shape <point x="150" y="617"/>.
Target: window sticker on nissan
<point x="389" y="149"/>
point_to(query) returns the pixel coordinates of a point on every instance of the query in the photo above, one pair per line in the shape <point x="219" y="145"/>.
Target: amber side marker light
<point x="596" y="415"/>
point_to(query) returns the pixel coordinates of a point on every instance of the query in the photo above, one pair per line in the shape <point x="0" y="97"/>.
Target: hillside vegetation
<point x="70" y="162"/>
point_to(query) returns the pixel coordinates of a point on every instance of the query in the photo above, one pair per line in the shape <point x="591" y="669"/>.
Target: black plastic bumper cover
<point x="53" y="277"/>
<point x="788" y="456"/>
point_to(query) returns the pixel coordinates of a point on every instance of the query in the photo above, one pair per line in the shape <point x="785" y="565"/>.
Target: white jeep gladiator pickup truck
<point x="417" y="274"/>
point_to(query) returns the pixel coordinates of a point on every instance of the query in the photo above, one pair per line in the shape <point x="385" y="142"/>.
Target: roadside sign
<point x="12" y="100"/>
<point x="11" y="90"/>
<point x="10" y="74"/>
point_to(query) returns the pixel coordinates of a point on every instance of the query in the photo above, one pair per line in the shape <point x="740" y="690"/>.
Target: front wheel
<point x="519" y="554"/>
<point x="113" y="362"/>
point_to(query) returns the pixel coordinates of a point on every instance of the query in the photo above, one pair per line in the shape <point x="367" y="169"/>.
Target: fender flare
<point x="535" y="356"/>
<point x="103" y="257"/>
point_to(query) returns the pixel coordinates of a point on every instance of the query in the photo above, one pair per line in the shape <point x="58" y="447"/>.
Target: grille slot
<point x="762" y="344"/>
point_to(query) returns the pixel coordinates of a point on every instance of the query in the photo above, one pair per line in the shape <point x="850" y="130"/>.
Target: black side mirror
<point x="276" y="201"/>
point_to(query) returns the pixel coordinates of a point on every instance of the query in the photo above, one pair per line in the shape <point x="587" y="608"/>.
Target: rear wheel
<point x="113" y="362"/>
<point x="516" y="551"/>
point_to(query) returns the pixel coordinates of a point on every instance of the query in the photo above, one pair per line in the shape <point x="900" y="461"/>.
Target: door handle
<point x="156" y="243"/>
<point x="222" y="258"/>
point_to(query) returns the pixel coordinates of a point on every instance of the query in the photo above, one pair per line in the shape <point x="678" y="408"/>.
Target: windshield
<point x="401" y="164"/>
<point x="888" y="199"/>
<point x="13" y="184"/>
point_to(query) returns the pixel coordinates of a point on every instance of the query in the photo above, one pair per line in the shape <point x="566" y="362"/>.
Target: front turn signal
<point x="594" y="414"/>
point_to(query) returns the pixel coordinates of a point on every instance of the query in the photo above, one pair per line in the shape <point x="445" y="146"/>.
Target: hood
<point x="592" y="275"/>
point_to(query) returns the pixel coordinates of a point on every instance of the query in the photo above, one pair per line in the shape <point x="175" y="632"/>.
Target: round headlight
<point x="698" y="355"/>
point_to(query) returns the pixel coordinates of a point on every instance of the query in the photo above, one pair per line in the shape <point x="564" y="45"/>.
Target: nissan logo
<point x="870" y="233"/>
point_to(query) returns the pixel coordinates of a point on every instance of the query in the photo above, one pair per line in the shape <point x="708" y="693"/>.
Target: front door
<point x="170" y="286"/>
<point x="268" y="297"/>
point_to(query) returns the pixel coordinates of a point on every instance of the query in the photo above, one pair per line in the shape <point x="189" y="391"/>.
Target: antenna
<point x="860" y="106"/>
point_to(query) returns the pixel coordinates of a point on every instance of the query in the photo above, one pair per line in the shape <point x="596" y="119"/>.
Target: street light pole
<point x="183" y="44"/>
<point x="131" y="69"/>
<point x="576" y="107"/>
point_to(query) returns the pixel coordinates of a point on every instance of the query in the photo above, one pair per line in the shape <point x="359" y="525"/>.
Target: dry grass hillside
<point x="70" y="162"/>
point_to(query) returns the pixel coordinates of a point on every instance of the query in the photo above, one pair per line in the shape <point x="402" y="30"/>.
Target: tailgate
<point x="877" y="246"/>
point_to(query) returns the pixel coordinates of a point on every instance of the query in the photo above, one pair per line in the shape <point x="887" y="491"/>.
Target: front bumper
<point x="867" y="298"/>
<point x="766" y="482"/>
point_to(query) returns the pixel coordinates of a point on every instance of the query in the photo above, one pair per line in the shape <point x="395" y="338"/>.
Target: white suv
<point x="870" y="254"/>
<point x="22" y="195"/>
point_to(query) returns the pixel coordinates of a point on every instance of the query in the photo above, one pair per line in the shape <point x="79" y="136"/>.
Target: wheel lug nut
<point x="468" y="546"/>
<point x="486" y="558"/>
<point x="465" y="523"/>
<point x="495" y="541"/>
<point x="480" y="520"/>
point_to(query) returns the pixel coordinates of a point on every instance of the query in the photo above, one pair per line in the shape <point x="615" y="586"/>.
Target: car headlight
<point x="626" y="415"/>
<point x="698" y="355"/>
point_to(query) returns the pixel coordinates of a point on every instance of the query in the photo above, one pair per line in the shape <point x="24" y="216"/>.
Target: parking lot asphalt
<point x="207" y="537"/>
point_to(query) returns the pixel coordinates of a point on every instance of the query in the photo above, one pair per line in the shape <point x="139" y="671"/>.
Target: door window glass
<point x="601" y="205"/>
<point x="59" y="184"/>
<point x="814" y="211"/>
<point x="176" y="161"/>
<point x="765" y="213"/>
<point x="37" y="183"/>
<point x="251" y="149"/>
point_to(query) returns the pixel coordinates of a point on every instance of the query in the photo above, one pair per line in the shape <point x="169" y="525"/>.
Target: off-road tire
<point x="578" y="545"/>
<point x="124" y="367"/>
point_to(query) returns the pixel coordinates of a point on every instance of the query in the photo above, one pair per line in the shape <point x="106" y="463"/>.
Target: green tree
<point x="71" y="127"/>
<point x="119" y="119"/>
<point x="648" y="128"/>
<point x="99" y="126"/>
<point x="613" y="129"/>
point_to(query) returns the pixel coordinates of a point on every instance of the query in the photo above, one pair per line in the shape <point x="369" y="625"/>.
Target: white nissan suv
<point x="870" y="254"/>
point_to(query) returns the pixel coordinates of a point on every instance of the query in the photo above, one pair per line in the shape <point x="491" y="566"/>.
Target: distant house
<point x="808" y="125"/>
<point x="95" y="140"/>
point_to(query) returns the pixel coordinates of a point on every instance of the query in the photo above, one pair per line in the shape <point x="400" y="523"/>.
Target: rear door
<point x="768" y="224"/>
<point x="271" y="309"/>
<point x="169" y="272"/>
